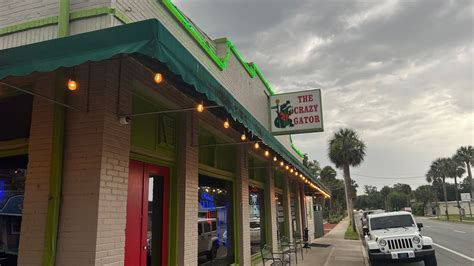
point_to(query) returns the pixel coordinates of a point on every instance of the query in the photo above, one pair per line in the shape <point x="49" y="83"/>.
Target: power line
<point x="385" y="177"/>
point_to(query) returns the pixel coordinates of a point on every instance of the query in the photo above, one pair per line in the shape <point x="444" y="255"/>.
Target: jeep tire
<point x="430" y="261"/>
<point x="213" y="253"/>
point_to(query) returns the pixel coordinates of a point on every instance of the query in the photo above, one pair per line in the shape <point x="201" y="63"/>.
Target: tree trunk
<point x="347" y="185"/>
<point x="469" y="178"/>
<point x="445" y="199"/>
<point x="457" y="197"/>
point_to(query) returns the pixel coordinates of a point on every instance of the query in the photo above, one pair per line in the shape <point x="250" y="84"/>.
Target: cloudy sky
<point x="399" y="72"/>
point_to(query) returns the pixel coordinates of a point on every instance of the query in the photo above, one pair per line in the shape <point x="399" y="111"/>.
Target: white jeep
<point x="395" y="236"/>
<point x="208" y="241"/>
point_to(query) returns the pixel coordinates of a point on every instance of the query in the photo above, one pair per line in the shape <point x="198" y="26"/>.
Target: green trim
<point x="173" y="218"/>
<point x="63" y="18"/>
<point x="13" y="147"/>
<point x="216" y="173"/>
<point x="255" y="183"/>
<point x="293" y="146"/>
<point x="94" y="12"/>
<point x="57" y="155"/>
<point x="256" y="259"/>
<point x="251" y="68"/>
<point x="53" y="20"/>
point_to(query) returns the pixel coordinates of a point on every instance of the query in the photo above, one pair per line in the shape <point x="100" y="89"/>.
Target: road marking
<point x="462" y="232"/>
<point x="454" y="252"/>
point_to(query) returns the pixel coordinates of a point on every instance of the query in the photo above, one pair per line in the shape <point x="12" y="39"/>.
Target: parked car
<point x="396" y="237"/>
<point x="255" y="231"/>
<point x="208" y="242"/>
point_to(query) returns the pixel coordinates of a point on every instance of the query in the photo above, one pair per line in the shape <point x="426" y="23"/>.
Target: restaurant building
<point x="123" y="127"/>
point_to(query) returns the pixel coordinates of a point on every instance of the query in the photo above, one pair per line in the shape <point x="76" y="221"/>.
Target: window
<point x="280" y="215"/>
<point x="215" y="213"/>
<point x="257" y="219"/>
<point x="392" y="222"/>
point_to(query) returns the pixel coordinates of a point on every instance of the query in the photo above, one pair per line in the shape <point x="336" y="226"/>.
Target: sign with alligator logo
<point x="296" y="112"/>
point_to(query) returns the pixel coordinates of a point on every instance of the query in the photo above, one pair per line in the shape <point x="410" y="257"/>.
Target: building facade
<point x="125" y="126"/>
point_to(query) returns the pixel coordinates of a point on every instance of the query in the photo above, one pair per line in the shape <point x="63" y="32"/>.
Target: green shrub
<point x="418" y="209"/>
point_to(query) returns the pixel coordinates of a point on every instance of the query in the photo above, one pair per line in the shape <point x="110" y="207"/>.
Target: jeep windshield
<point x="391" y="222"/>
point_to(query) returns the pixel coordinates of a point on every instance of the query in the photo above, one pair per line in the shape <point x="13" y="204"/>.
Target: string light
<point x="158" y="78"/>
<point x="287" y="167"/>
<point x="275" y="159"/>
<point x="267" y="153"/>
<point x="72" y="84"/>
<point x="226" y="123"/>
<point x="200" y="108"/>
<point x="281" y="163"/>
<point x="291" y="170"/>
<point x="243" y="137"/>
<point x="256" y="146"/>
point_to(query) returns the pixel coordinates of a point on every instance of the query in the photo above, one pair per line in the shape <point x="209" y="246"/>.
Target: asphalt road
<point x="454" y="242"/>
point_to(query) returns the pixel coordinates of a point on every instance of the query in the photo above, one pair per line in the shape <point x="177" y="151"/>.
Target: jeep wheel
<point x="431" y="261"/>
<point x="213" y="253"/>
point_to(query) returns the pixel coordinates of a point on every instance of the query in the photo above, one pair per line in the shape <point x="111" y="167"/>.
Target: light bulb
<point x="72" y="85"/>
<point x="158" y="78"/>
<point x="256" y="146"/>
<point x="282" y="164"/>
<point x="287" y="167"/>
<point x="275" y="159"/>
<point x="291" y="170"/>
<point x="243" y="137"/>
<point x="200" y="108"/>
<point x="267" y="153"/>
<point x="226" y="124"/>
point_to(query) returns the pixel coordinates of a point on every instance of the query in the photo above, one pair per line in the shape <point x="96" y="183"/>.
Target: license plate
<point x="403" y="255"/>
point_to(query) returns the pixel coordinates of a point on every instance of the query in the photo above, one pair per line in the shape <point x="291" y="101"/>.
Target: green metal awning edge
<point x="149" y="38"/>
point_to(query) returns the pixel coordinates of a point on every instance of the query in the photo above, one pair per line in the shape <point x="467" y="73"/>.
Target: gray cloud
<point x="399" y="72"/>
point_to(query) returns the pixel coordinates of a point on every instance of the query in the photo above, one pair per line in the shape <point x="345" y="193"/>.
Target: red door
<point x="139" y="234"/>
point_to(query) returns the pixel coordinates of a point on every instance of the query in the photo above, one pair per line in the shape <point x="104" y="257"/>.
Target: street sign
<point x="465" y="197"/>
<point x="296" y="112"/>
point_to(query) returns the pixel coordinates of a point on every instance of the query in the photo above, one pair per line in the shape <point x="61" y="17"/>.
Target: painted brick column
<point x="271" y="213"/>
<point x="298" y="208"/>
<point x="95" y="176"/>
<point x="35" y="203"/>
<point x="287" y="208"/>
<point x="304" y="219"/>
<point x="242" y="205"/>
<point x="188" y="182"/>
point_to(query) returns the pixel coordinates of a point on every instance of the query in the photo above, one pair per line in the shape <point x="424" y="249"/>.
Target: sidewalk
<point x="333" y="249"/>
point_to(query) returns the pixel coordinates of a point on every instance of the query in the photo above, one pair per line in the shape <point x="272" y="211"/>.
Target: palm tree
<point x="436" y="174"/>
<point x="466" y="155"/>
<point x="346" y="149"/>
<point x="454" y="170"/>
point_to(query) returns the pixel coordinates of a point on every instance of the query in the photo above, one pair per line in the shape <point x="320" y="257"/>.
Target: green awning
<point x="148" y="38"/>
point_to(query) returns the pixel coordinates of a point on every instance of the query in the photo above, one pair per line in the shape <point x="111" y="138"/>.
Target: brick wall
<point x="242" y="205"/>
<point x="35" y="204"/>
<point x="188" y="190"/>
<point x="270" y="198"/>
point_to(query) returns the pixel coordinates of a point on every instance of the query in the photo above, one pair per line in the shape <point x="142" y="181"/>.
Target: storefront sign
<point x="296" y="112"/>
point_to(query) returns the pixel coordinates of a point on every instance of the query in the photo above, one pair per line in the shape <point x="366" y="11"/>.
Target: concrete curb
<point x="364" y="251"/>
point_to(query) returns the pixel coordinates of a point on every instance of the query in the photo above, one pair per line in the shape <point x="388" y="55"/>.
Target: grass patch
<point x="455" y="219"/>
<point x="350" y="234"/>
